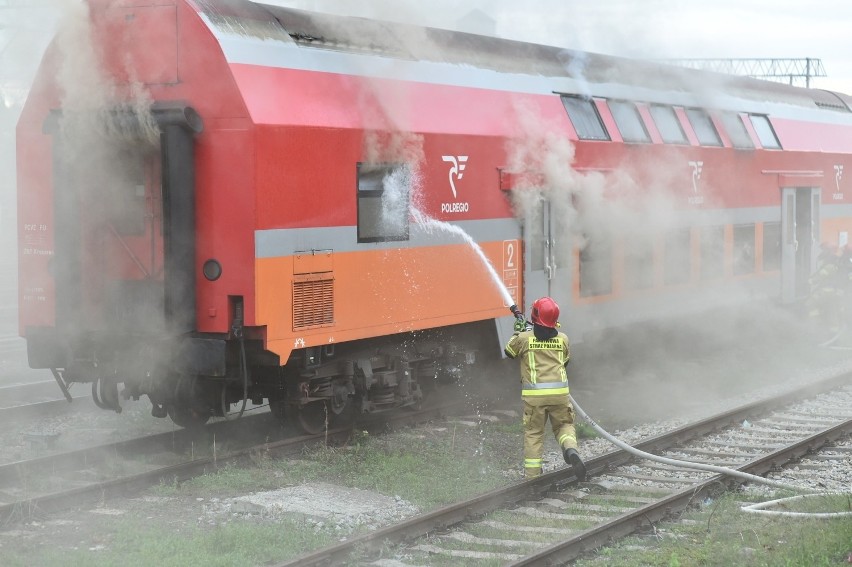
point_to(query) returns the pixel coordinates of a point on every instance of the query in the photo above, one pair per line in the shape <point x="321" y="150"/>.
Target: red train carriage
<point x="221" y="200"/>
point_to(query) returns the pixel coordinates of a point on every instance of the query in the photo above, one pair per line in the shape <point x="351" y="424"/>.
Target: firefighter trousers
<point x="561" y="416"/>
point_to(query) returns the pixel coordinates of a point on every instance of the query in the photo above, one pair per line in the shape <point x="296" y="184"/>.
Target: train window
<point x="703" y="126"/>
<point x="771" y="246"/>
<point x="629" y="122"/>
<point x="668" y="124"/>
<point x="638" y="262"/>
<point x="736" y="130"/>
<point x="765" y="132"/>
<point x="585" y="118"/>
<point x="678" y="261"/>
<point x="596" y="266"/>
<point x="383" y="202"/>
<point x="743" y="253"/>
<point x="712" y="252"/>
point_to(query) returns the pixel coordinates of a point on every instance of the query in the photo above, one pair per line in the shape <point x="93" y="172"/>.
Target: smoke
<point x="592" y="206"/>
<point x="575" y="65"/>
<point x="92" y="103"/>
<point x="589" y="205"/>
<point x="685" y="355"/>
<point x="106" y="142"/>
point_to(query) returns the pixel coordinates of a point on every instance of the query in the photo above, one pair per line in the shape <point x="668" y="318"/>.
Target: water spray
<point x="430" y="223"/>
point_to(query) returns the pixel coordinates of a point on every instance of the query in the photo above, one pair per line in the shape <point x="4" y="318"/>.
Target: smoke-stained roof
<point x="407" y="42"/>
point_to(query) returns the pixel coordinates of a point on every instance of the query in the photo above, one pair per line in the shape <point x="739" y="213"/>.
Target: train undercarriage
<point x="319" y="388"/>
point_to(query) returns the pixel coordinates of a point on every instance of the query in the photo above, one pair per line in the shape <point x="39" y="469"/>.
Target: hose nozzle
<point x="516" y="312"/>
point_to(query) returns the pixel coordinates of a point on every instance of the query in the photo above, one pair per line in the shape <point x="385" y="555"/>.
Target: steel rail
<point x="49" y="407"/>
<point x="626" y="524"/>
<point x="447" y="516"/>
<point x="30" y="507"/>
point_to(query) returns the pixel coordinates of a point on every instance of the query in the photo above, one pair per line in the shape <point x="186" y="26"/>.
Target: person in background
<point x="543" y="353"/>
<point x="825" y="302"/>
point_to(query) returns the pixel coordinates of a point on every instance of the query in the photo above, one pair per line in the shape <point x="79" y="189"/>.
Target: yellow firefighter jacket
<point x="542" y="364"/>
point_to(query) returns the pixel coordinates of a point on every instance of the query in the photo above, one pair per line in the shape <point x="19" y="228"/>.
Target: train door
<point x="123" y="261"/>
<point x="800" y="239"/>
<point x="547" y="258"/>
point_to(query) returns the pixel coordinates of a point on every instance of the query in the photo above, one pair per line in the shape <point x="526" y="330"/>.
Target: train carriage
<point x="222" y="200"/>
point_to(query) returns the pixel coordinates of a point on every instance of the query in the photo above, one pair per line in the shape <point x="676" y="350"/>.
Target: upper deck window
<point x="703" y="126"/>
<point x="629" y="122"/>
<point x="668" y="124"/>
<point x="584" y="115"/>
<point x="765" y="132"/>
<point x="736" y="130"/>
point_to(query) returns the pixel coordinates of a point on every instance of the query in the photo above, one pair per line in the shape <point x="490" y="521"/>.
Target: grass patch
<point x="585" y="431"/>
<point x="513" y="427"/>
<point x="724" y="536"/>
<point x="428" y="470"/>
<point x="133" y="542"/>
<point x="229" y="480"/>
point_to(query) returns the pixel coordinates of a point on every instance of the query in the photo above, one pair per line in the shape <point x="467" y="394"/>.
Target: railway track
<point x="117" y="469"/>
<point x="36" y="399"/>
<point x="552" y="519"/>
<point x="45" y="408"/>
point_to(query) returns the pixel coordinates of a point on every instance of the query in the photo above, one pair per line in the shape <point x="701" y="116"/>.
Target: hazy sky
<point x="649" y="28"/>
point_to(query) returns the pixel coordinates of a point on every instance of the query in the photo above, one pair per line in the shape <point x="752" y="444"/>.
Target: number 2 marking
<point x="510" y="250"/>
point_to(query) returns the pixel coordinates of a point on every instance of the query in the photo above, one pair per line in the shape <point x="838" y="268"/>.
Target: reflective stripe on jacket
<point x="542" y="363"/>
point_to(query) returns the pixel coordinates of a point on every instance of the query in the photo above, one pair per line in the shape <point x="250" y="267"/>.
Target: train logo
<point x="456" y="172"/>
<point x="697" y="167"/>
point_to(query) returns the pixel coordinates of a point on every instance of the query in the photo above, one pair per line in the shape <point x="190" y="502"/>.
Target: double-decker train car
<point x="222" y="201"/>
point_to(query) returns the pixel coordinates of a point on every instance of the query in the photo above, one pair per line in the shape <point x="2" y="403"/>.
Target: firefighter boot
<point x="572" y="457"/>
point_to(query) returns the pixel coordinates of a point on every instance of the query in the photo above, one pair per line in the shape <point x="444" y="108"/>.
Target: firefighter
<point x="543" y="353"/>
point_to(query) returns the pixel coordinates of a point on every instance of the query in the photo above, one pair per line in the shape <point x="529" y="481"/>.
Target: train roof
<point x="246" y="30"/>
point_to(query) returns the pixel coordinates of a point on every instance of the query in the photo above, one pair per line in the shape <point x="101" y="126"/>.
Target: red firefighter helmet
<point x="545" y="312"/>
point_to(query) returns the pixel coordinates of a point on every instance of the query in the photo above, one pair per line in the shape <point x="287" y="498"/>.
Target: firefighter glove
<point x="520" y="325"/>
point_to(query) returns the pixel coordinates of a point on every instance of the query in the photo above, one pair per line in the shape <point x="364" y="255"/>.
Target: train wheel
<point x="312" y="418"/>
<point x="188" y="408"/>
<point x="187" y="417"/>
<point x="341" y="408"/>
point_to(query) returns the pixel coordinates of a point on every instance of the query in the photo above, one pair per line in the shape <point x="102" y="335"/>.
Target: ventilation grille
<point x="313" y="301"/>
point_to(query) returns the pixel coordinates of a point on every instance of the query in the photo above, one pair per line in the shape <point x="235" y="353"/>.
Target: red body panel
<point x="280" y="149"/>
<point x="150" y="37"/>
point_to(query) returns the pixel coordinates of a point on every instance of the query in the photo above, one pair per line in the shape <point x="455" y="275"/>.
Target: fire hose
<point x="756" y="508"/>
